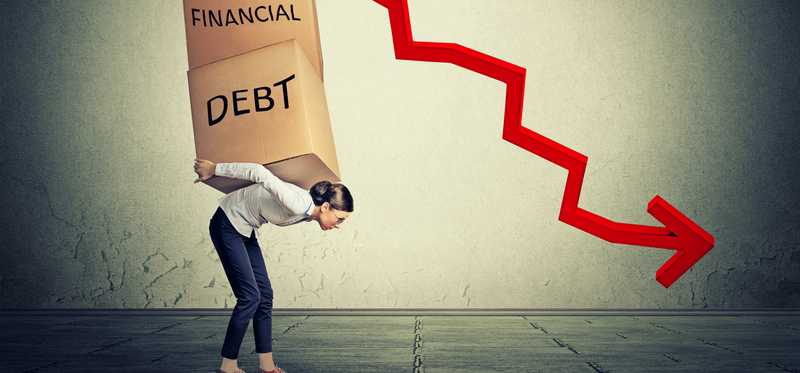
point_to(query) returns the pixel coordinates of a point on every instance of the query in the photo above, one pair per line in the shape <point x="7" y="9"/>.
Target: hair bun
<point x="336" y="194"/>
<point x="319" y="191"/>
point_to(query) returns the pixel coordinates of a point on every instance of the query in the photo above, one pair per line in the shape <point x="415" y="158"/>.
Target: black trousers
<point x="247" y="274"/>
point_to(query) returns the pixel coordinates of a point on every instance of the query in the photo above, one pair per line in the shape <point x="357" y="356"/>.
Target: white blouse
<point x="269" y="200"/>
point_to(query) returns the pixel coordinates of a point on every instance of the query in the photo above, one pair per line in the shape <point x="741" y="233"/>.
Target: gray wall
<point x="694" y="101"/>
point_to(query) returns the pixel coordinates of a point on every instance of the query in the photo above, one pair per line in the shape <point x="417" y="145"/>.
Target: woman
<point x="233" y="231"/>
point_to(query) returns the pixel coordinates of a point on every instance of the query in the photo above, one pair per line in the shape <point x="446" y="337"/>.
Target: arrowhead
<point x="692" y="242"/>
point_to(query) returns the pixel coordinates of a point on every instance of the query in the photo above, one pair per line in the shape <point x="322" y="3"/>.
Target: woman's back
<point x="268" y="200"/>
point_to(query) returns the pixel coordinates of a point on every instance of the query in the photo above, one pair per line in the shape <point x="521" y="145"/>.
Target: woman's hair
<point x="335" y="194"/>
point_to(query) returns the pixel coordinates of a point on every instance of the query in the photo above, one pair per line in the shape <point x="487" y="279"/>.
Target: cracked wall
<point x="694" y="101"/>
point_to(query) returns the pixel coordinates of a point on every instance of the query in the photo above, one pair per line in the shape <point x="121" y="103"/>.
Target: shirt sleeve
<point x="282" y="191"/>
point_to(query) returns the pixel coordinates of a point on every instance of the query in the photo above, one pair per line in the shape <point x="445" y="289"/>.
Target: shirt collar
<point x="310" y="209"/>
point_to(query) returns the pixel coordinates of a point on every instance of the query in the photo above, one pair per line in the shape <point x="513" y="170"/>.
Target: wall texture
<point x="694" y="101"/>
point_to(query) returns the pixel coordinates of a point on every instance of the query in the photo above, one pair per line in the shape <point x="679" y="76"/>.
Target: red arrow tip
<point x="692" y="241"/>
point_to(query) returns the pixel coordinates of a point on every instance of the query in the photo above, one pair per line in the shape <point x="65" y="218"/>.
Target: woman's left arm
<point x="254" y="172"/>
<point x="281" y="190"/>
<point x="245" y="171"/>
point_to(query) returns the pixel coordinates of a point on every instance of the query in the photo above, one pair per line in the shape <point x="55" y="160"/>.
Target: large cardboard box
<point x="219" y="29"/>
<point x="266" y="106"/>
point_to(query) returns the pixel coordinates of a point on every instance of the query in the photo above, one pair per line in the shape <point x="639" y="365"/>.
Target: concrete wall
<point x="694" y="101"/>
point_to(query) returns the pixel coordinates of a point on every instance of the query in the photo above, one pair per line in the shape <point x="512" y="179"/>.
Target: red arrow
<point x="679" y="233"/>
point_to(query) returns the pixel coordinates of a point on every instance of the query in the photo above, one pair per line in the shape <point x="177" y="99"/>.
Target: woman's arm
<point x="245" y="171"/>
<point x="280" y="190"/>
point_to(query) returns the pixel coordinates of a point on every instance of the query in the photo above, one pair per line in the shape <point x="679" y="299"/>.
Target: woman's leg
<point x="232" y="252"/>
<point x="262" y="320"/>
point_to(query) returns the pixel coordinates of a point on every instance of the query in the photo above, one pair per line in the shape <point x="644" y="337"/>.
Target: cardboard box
<point x="221" y="29"/>
<point x="289" y="132"/>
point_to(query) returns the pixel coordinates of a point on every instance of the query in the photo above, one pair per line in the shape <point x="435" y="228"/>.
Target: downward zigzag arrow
<point x="679" y="233"/>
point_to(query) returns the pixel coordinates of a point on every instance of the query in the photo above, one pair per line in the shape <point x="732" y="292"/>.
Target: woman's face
<point x="330" y="218"/>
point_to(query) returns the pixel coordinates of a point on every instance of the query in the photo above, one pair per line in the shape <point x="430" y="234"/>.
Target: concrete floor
<point x="432" y="344"/>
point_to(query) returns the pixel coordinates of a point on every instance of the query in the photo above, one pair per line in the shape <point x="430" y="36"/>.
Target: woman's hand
<point x="204" y="169"/>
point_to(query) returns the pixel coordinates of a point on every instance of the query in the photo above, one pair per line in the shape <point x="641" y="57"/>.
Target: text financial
<point x="241" y="16"/>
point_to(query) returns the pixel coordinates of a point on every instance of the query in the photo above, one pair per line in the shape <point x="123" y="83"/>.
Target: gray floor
<point x="311" y="343"/>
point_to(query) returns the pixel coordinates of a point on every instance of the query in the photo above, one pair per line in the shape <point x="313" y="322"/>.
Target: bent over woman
<point x="233" y="230"/>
